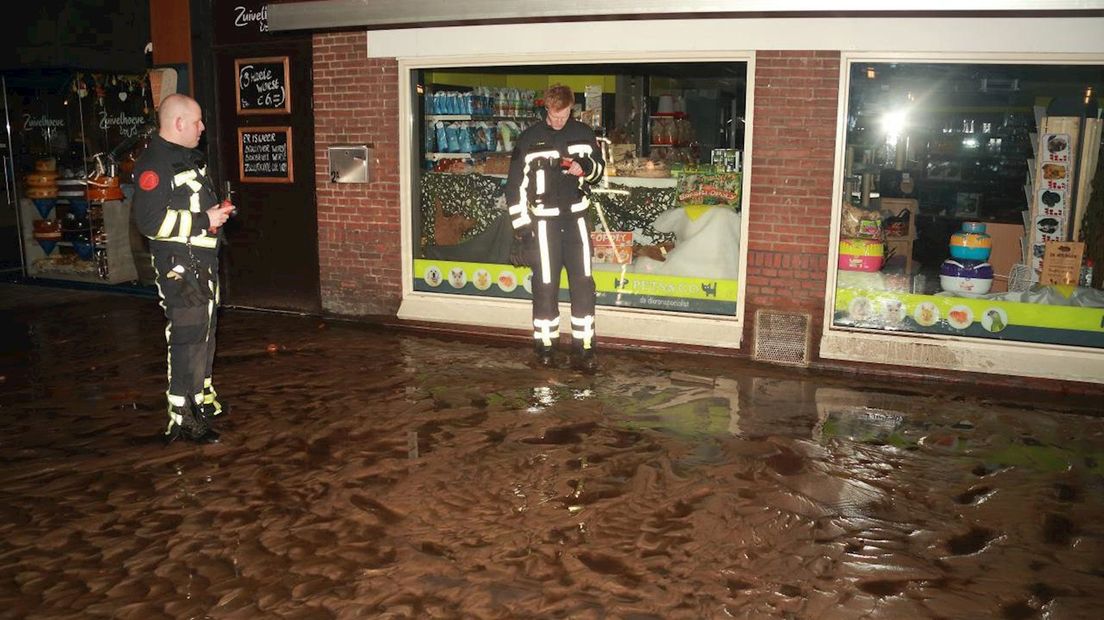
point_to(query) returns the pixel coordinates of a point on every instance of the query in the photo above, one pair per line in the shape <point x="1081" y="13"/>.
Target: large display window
<point x="74" y="138"/>
<point x="666" y="220"/>
<point x="972" y="201"/>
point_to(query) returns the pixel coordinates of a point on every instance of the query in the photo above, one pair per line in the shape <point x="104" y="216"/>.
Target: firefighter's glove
<point x="522" y="246"/>
<point x="189" y="287"/>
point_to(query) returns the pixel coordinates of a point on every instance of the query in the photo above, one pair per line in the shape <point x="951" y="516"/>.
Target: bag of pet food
<point x="861" y="223"/>
<point x="464" y="137"/>
<point x="442" y="136"/>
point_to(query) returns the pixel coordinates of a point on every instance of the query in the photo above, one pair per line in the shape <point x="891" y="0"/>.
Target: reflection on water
<point x="367" y="473"/>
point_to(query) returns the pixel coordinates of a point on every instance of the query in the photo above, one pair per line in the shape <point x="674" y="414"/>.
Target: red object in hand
<point x="565" y="163"/>
<point x="214" y="229"/>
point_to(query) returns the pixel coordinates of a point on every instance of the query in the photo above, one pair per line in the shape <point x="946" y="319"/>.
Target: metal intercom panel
<point x="349" y="163"/>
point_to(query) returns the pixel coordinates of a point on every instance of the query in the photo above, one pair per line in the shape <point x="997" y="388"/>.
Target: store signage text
<point x="244" y="17"/>
<point x="709" y="191"/>
<point x="262" y="153"/>
<point x="265" y="154"/>
<point x="652" y="287"/>
<point x="263" y="85"/>
<point x="127" y="125"/>
<point x="263" y="81"/>
<point x="45" y="123"/>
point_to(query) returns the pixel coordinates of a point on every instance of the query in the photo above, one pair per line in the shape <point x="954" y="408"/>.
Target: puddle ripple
<point x="371" y="473"/>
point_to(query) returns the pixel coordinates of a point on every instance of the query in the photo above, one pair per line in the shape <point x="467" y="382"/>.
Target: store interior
<point x="74" y="136"/>
<point x="671" y="114"/>
<point x="668" y="130"/>
<point x="973" y="201"/>
<point x="932" y="146"/>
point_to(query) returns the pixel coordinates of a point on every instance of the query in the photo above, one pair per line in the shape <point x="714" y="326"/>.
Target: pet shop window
<point x="666" y="219"/>
<point x="968" y="206"/>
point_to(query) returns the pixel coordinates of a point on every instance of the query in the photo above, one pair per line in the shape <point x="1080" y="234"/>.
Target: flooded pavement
<point x="367" y="473"/>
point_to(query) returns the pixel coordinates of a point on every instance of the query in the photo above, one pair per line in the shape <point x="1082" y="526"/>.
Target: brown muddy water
<point x="373" y="474"/>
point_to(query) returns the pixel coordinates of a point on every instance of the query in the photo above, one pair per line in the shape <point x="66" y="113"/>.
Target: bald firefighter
<point x="177" y="207"/>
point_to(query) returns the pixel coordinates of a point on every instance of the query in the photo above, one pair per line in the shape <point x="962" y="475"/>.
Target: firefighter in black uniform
<point x="550" y="166"/>
<point x="177" y="207"/>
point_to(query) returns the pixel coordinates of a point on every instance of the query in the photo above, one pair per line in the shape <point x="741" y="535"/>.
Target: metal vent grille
<point x="782" y="338"/>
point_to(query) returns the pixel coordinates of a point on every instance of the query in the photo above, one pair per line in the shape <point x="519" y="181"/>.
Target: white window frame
<point x="631" y="324"/>
<point x="933" y="351"/>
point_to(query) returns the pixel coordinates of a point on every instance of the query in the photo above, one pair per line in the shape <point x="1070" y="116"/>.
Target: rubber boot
<point x="545" y="355"/>
<point x="585" y="360"/>
<point x="193" y="427"/>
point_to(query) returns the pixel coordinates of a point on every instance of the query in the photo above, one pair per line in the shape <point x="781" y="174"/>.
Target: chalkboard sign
<point x="263" y="86"/>
<point x="264" y="155"/>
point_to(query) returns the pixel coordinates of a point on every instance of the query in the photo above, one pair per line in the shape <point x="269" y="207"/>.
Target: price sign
<point x="262" y="85"/>
<point x="264" y="155"/>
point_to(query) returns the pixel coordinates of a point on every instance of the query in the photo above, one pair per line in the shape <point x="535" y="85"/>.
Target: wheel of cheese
<point x="48" y="164"/>
<point x="42" y="192"/>
<point x="41" y="179"/>
<point x="104" y="193"/>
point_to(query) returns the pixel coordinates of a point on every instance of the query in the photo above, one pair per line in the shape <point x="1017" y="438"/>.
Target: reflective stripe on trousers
<point x="189" y="336"/>
<point x="562" y="242"/>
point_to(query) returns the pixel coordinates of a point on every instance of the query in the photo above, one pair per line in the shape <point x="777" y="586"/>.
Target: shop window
<point x="666" y="220"/>
<point x="968" y="204"/>
<point x="72" y="140"/>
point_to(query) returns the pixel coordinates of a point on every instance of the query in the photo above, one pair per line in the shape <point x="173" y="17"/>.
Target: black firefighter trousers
<point x="187" y="283"/>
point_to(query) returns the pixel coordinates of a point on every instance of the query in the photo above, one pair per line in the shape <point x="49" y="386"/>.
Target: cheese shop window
<point x="972" y="202"/>
<point x="74" y="137"/>
<point x="665" y="218"/>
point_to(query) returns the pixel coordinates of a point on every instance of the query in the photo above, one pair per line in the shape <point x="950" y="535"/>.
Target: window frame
<point x="719" y="331"/>
<point x="937" y="351"/>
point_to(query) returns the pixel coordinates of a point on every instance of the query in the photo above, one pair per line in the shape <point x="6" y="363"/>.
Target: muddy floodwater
<point x="371" y="473"/>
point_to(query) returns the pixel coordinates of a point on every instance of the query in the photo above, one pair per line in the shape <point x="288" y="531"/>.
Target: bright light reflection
<point x="894" y="125"/>
<point x="582" y="394"/>
<point x="542" y="397"/>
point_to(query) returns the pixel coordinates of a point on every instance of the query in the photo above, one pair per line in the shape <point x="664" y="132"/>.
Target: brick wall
<point x="794" y="128"/>
<point x="356" y="102"/>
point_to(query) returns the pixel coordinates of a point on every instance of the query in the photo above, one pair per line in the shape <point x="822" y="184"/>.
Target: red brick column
<point x="356" y="102"/>
<point x="796" y="97"/>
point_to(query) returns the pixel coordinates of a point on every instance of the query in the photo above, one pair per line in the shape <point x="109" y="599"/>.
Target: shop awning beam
<point x="384" y="14"/>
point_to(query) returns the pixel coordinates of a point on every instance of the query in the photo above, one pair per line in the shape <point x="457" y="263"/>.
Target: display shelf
<point x="476" y="117"/>
<point x="119" y="259"/>
<point x="644" y="181"/>
<point x="654" y="182"/>
<point x="456" y="117"/>
<point x="438" y="156"/>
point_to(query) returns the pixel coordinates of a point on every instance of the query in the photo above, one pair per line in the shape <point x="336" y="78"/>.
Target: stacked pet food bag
<point x="490" y="122"/>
